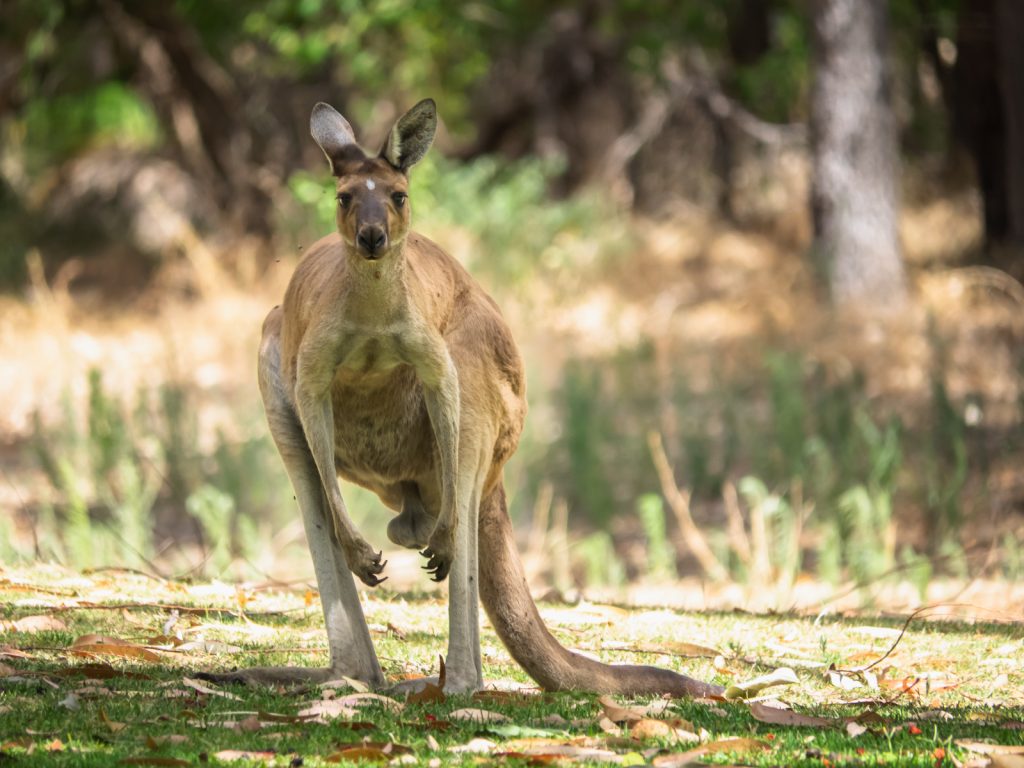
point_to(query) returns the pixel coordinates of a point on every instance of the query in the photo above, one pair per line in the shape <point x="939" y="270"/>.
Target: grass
<point x="57" y="708"/>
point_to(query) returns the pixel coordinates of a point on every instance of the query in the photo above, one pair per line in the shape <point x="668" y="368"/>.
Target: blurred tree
<point x="854" y="154"/>
<point x="1010" y="21"/>
<point x="987" y="110"/>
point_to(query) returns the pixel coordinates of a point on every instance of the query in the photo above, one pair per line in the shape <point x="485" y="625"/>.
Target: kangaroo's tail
<point x="508" y="603"/>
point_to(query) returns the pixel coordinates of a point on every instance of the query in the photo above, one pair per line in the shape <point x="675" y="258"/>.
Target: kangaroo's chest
<point x="381" y="427"/>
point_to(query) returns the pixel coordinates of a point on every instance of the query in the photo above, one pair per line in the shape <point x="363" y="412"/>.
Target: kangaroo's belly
<point x="382" y="432"/>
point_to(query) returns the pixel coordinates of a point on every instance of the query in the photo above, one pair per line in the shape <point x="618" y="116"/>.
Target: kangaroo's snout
<point x="372" y="240"/>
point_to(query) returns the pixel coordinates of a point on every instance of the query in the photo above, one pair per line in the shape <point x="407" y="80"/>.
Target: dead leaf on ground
<point x="429" y="694"/>
<point x="100" y="645"/>
<point x="29" y="624"/>
<point x="201" y="687"/>
<point x="325" y="711"/>
<point x="855" y="729"/>
<point x="777" y="715"/>
<point x="1007" y="761"/>
<point x="547" y="750"/>
<point x="987" y="748"/>
<point x="751" y="688"/>
<point x="651" y="729"/>
<point x="7" y="652"/>
<point x="478" y="715"/>
<point x="618" y="713"/>
<point x="691" y="757"/>
<point x="367" y="699"/>
<point x="241" y="754"/>
<point x="343" y="682"/>
<point x="113" y="725"/>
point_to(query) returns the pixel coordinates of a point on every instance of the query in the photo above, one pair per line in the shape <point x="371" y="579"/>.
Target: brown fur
<point x="399" y="346"/>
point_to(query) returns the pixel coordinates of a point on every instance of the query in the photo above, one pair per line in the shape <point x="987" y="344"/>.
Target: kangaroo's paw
<point x="440" y="552"/>
<point x="365" y="563"/>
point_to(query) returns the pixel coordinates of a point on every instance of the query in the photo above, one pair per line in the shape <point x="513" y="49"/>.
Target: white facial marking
<point x="370" y="185"/>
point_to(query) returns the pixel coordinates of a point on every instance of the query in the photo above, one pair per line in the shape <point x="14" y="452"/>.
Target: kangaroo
<point x="389" y="366"/>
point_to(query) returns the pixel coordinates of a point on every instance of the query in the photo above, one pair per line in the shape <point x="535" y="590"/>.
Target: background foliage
<point x="598" y="162"/>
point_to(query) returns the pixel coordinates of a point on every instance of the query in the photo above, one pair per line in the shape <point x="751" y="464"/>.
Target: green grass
<point x="52" y="713"/>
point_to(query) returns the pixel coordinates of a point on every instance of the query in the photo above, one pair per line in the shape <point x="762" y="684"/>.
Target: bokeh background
<point x="763" y="259"/>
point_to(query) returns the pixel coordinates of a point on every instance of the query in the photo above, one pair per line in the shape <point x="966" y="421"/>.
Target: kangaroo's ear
<point x="411" y="136"/>
<point x="333" y="133"/>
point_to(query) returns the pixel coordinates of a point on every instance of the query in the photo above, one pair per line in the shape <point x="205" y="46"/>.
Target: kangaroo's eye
<point x="399" y="199"/>
<point x="345" y="199"/>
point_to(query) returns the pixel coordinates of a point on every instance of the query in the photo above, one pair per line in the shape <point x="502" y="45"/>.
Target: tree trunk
<point x="979" y="122"/>
<point x="1010" y="29"/>
<point x="854" y="154"/>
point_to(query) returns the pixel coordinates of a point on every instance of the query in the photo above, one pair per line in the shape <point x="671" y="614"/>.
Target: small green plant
<point x="111" y="469"/>
<point x="602" y="566"/>
<point x="661" y="555"/>
<point x="214" y="510"/>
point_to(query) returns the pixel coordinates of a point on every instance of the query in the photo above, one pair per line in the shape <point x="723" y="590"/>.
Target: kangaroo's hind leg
<point x="351" y="649"/>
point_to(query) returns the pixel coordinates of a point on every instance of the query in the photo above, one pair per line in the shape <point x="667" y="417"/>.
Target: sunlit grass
<point x="942" y="681"/>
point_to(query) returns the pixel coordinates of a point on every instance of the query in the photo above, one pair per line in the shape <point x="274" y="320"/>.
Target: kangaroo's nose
<point x="372" y="239"/>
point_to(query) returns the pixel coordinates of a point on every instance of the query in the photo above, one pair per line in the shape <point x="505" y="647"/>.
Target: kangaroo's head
<point x="373" y="190"/>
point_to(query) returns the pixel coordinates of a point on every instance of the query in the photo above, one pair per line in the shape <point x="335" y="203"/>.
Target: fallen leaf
<point x="690" y="757"/>
<point x="368" y="699"/>
<point x="854" y="729"/>
<point x="552" y="751"/>
<point x="987" y="748"/>
<point x="843" y="682"/>
<point x="650" y="729"/>
<point x="776" y="715"/>
<point x="618" y="713"/>
<point x="478" y="715"/>
<point x="476" y="745"/>
<point x="359" y="755"/>
<point x="240" y="754"/>
<point x="347" y="682"/>
<point x="114" y="726"/>
<point x="201" y="687"/>
<point x="751" y="688"/>
<point x="29" y="624"/>
<point x="1007" y="761"/>
<point x="7" y="652"/>
<point x="206" y="646"/>
<point x="429" y="694"/>
<point x="99" y="645"/>
<point x="324" y="711"/>
<point x="274" y="717"/>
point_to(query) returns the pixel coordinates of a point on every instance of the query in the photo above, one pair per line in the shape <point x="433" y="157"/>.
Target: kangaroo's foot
<point x="411" y="528"/>
<point x="451" y="686"/>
